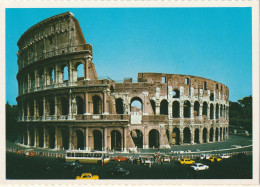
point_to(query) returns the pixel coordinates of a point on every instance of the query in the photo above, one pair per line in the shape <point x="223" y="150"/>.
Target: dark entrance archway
<point x="80" y="139"/>
<point x="197" y="136"/>
<point x="51" y="138"/>
<point x="164" y="107"/>
<point x="217" y="135"/>
<point x="65" y="139"/>
<point x="31" y="135"/>
<point x="186" y="109"/>
<point x="119" y="106"/>
<point x="204" y="137"/>
<point x="97" y="135"/>
<point x="154" y="138"/>
<point x="80" y="105"/>
<point x="186" y="135"/>
<point x="64" y="106"/>
<point x="97" y="105"/>
<point x="211" y="134"/>
<point x="176" y="136"/>
<point x="176" y="109"/>
<point x="116" y="140"/>
<point x="137" y="137"/>
<point x="40" y="132"/>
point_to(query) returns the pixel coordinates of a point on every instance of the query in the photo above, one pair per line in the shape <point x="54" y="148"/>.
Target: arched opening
<point x="221" y="134"/>
<point x="31" y="108"/>
<point x="41" y="77"/>
<point x="186" y="109"/>
<point x="204" y="137"/>
<point x="196" y="108"/>
<point x="136" y="105"/>
<point x="197" y="136"/>
<point x="221" y="110"/>
<point x="52" y="76"/>
<point x="51" y="106"/>
<point x="65" y="139"/>
<point x="80" y="72"/>
<point x="154" y="138"/>
<point x="211" y="97"/>
<point x="97" y="135"/>
<point x="211" y="134"/>
<point x="205" y="109"/>
<point x="175" y="93"/>
<point x="217" y="135"/>
<point x="25" y="136"/>
<point x="64" y="106"/>
<point x="80" y="140"/>
<point x="211" y="111"/>
<point x="32" y="80"/>
<point x="164" y="107"/>
<point x="137" y="137"/>
<point x="119" y="106"/>
<point x="176" y="109"/>
<point x="40" y="107"/>
<point x="176" y="136"/>
<point x="116" y="140"/>
<point x="97" y="105"/>
<point x="217" y="111"/>
<point x="186" y="135"/>
<point x="65" y="74"/>
<point x="153" y="106"/>
<point x="25" y="109"/>
<point x="40" y="132"/>
<point x="31" y="135"/>
<point x="80" y="105"/>
<point x="51" y="138"/>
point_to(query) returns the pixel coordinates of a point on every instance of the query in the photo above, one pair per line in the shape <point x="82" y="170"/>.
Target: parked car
<point x="185" y="161"/>
<point x="214" y="159"/>
<point x="204" y="157"/>
<point x="199" y="166"/>
<point x="223" y="156"/>
<point x="119" y="171"/>
<point x="29" y="154"/>
<point x="73" y="165"/>
<point x="87" y="176"/>
<point x="121" y="158"/>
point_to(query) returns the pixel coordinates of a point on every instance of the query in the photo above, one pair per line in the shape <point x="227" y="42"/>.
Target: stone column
<point x="192" y="111"/>
<point x="208" y="112"/>
<point x="170" y="134"/>
<point x="28" y="137"/>
<point x="104" y="138"/>
<point x="104" y="102"/>
<point x="44" y="137"/>
<point x="222" y="134"/>
<point x="22" y="103"/>
<point x="181" y="136"/>
<point x="70" y="138"/>
<point x="70" y="105"/>
<point x="28" y="111"/>
<point x="201" y="135"/>
<point x="145" y="138"/>
<point x="208" y="135"/>
<point x="56" y="107"/>
<point x="219" y="134"/>
<point x="201" y="109"/>
<point x="36" y="78"/>
<point x="86" y="139"/>
<point x="157" y="108"/>
<point x="70" y="72"/>
<point x="124" y="140"/>
<point x="35" y="109"/>
<point x="170" y="109"/>
<point x="192" y="135"/>
<point x="214" y="135"/>
<point x="181" y="110"/>
<point x="56" y="138"/>
<point x="214" y="113"/>
<point x="44" y="107"/>
<point x="37" y="137"/>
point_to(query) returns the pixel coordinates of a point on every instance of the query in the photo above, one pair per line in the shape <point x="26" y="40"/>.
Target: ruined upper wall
<point x="176" y="81"/>
<point x="56" y="35"/>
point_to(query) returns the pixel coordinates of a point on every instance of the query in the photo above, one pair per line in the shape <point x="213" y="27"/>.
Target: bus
<point x="89" y="157"/>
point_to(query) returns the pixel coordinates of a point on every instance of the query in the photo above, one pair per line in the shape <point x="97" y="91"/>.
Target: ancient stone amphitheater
<point x="63" y="105"/>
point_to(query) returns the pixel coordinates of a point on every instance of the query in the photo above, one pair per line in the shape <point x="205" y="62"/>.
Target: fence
<point x="38" y="153"/>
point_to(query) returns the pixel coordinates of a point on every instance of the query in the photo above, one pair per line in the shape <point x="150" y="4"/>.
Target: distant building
<point x="59" y="108"/>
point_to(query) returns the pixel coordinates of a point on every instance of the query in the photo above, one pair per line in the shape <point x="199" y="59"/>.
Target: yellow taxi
<point x="186" y="161"/>
<point x="87" y="176"/>
<point x="214" y="159"/>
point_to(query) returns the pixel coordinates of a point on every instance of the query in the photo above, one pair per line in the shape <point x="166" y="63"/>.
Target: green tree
<point x="11" y="122"/>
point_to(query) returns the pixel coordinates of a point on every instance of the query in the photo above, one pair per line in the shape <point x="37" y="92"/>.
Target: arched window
<point x="153" y="106"/>
<point x="186" y="109"/>
<point x="196" y="108"/>
<point x="217" y="111"/>
<point x="164" y="107"/>
<point x="175" y="93"/>
<point x="97" y="105"/>
<point x="211" y="111"/>
<point x="80" y="105"/>
<point x="119" y="106"/>
<point x="64" y="106"/>
<point x="80" y="72"/>
<point x="205" y="109"/>
<point x="65" y="74"/>
<point x="176" y="109"/>
<point x="137" y="105"/>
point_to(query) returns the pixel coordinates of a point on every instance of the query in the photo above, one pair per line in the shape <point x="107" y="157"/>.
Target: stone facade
<point x="63" y="105"/>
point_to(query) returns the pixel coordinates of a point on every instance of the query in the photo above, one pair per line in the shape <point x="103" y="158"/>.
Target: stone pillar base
<point x="145" y="146"/>
<point x="165" y="146"/>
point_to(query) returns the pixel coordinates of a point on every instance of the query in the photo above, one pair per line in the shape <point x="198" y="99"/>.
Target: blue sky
<point x="215" y="43"/>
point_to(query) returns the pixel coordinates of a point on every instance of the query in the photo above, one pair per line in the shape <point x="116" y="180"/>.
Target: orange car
<point x="120" y="158"/>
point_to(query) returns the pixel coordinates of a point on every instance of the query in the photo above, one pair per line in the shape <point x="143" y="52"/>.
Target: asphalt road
<point x="20" y="167"/>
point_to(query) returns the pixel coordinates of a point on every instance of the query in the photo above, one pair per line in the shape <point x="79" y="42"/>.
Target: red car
<point x="120" y="158"/>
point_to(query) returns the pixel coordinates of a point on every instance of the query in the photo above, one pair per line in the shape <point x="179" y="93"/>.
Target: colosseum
<point x="64" y="105"/>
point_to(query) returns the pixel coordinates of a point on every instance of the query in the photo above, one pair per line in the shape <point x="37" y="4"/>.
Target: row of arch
<point x="214" y="113"/>
<point x="51" y="75"/>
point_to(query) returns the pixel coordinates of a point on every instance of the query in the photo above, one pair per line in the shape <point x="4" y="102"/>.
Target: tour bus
<point x="89" y="157"/>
